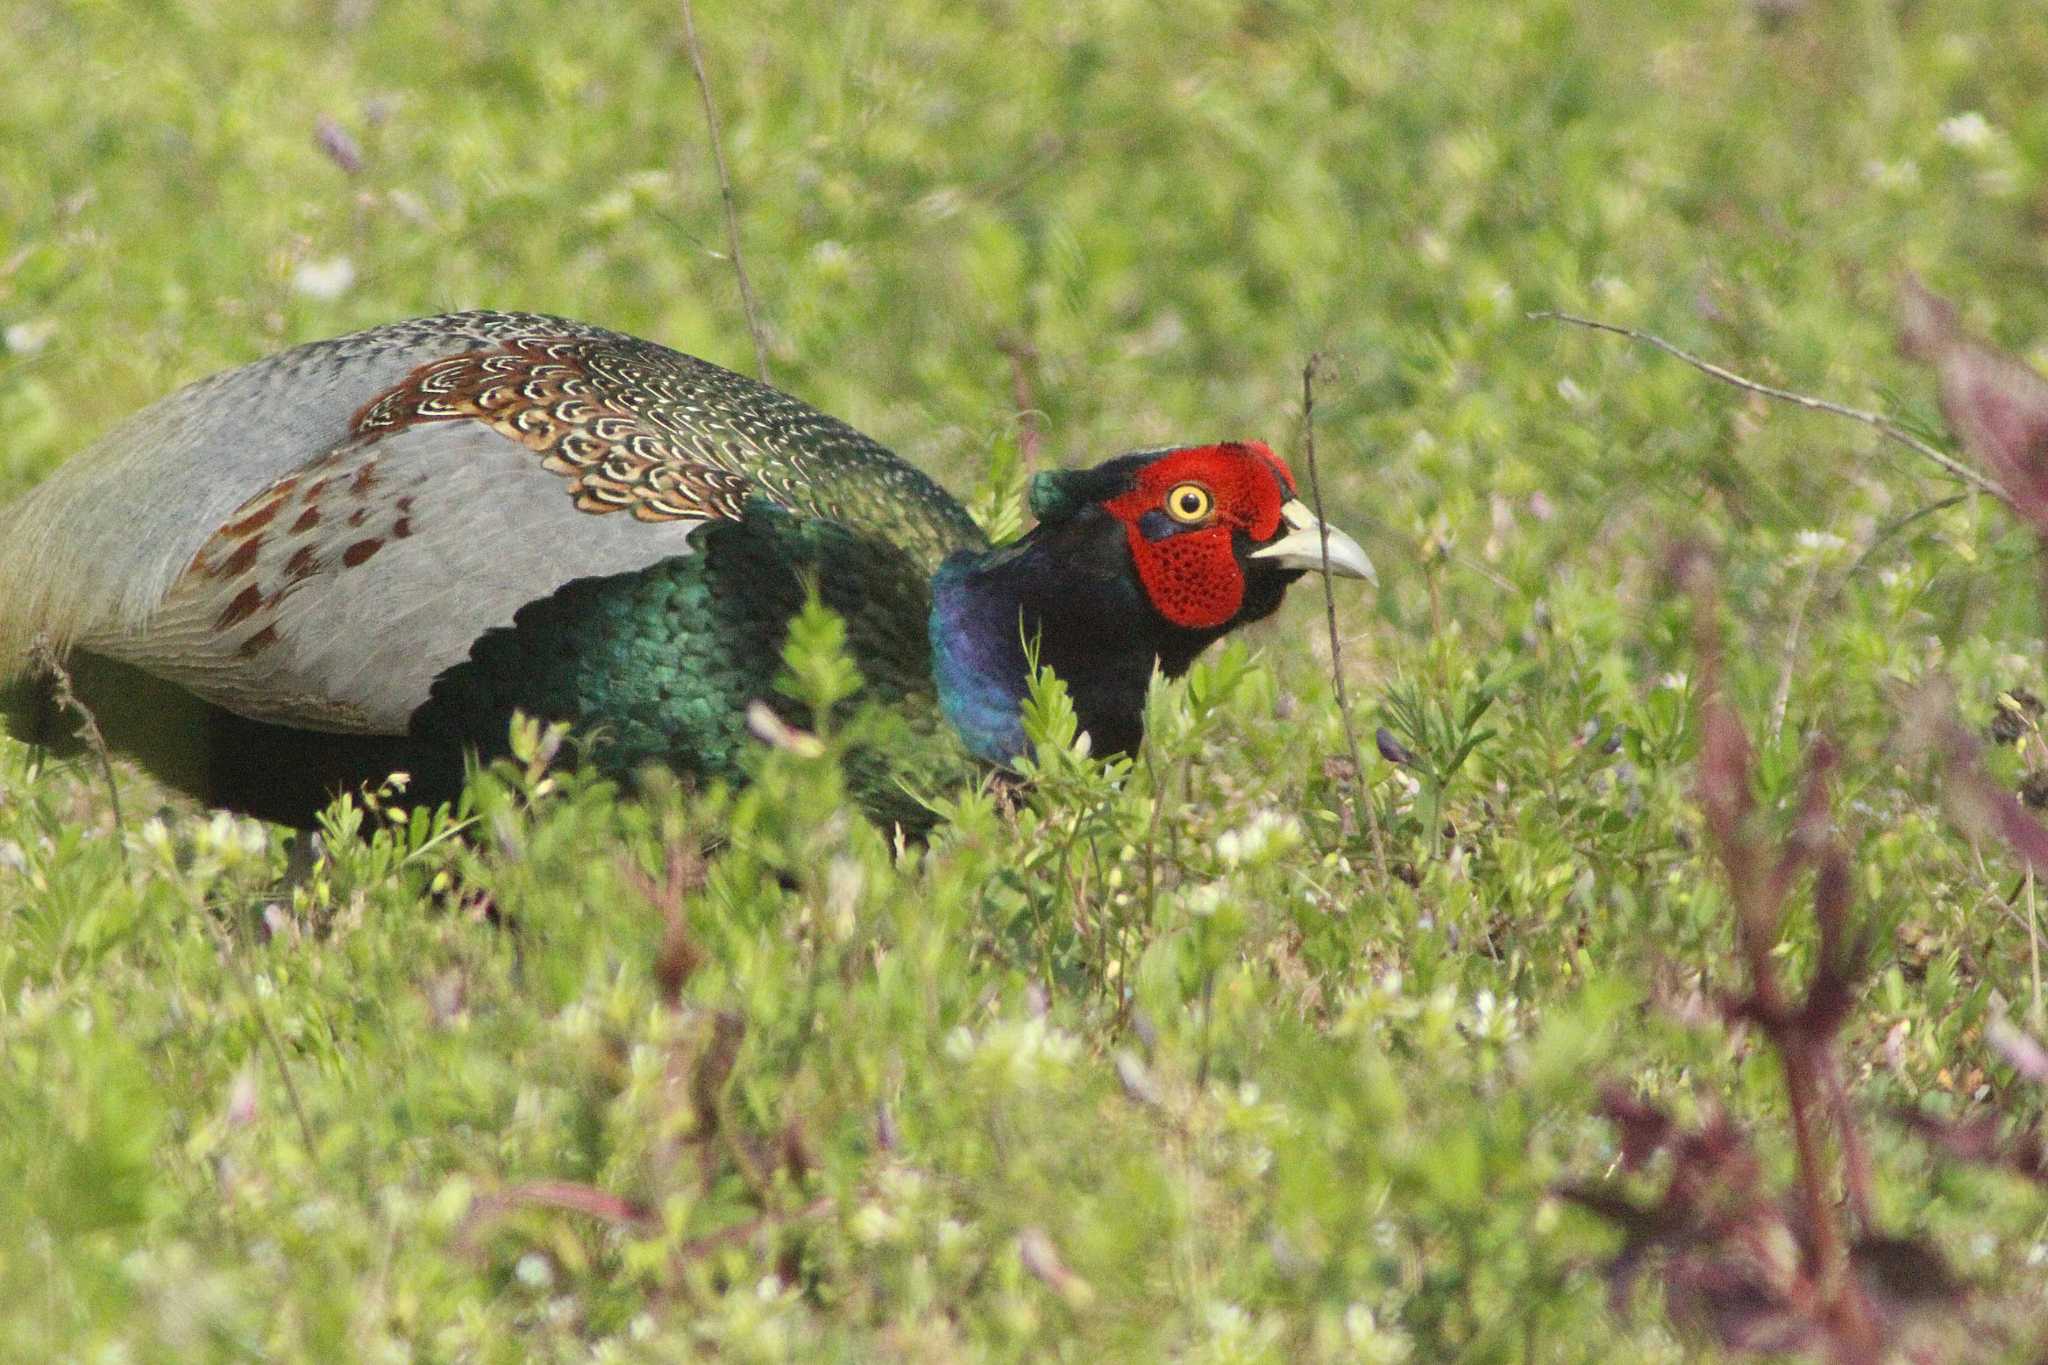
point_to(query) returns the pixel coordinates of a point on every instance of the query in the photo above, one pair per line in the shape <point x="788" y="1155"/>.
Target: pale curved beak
<point x="1303" y="546"/>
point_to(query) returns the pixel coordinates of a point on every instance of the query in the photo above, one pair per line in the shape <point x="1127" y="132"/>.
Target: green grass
<point x="1144" y="1069"/>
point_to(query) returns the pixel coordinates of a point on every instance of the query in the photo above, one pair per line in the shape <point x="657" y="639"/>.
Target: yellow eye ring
<point x="1188" y="503"/>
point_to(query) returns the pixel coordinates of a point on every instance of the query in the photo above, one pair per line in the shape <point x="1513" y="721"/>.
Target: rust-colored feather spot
<point x="257" y="643"/>
<point x="284" y="535"/>
<point x="241" y="609"/>
<point x="243" y="557"/>
<point x="560" y="398"/>
<point x="265" y="511"/>
<point x="304" y="563"/>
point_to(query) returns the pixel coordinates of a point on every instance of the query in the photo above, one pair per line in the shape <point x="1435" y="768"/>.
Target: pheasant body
<point x="659" y="666"/>
<point x="367" y="554"/>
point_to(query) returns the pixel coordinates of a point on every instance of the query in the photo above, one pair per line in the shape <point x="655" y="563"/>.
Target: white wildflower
<point x="26" y="338"/>
<point x="324" y="280"/>
<point x="1369" y="1340"/>
<point x="845" y="881"/>
<point x="1821" y="541"/>
<point x="1968" y="131"/>
<point x="1267" y="833"/>
<point x="1612" y="289"/>
<point x="1020" y="1053"/>
<point x="873" y="1225"/>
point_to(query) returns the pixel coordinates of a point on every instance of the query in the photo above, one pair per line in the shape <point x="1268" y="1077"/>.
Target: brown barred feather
<point x="570" y="401"/>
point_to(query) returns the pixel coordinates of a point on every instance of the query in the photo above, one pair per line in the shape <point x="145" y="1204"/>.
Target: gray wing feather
<point x="356" y="646"/>
<point x="95" y="547"/>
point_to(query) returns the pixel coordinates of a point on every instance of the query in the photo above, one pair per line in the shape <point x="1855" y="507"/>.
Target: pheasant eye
<point x="1189" y="502"/>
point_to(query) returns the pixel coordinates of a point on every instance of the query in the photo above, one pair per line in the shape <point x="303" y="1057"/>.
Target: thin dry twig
<point x="44" y="658"/>
<point x="732" y="213"/>
<point x="1361" y="794"/>
<point x="1022" y="355"/>
<point x="1781" y="699"/>
<point x="1857" y="1179"/>
<point x="1878" y="422"/>
<point x="246" y="980"/>
<point x="1893" y="527"/>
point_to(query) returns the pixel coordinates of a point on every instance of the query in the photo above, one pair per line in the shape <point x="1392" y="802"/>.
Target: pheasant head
<point x="1142" y="561"/>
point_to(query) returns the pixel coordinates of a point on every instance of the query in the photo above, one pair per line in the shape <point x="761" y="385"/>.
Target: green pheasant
<point x="365" y="555"/>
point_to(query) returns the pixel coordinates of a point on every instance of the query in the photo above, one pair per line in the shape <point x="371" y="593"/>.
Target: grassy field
<point x="1168" y="1066"/>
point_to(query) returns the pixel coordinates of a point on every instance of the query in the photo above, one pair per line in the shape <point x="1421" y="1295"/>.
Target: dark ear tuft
<point x="1056" y="493"/>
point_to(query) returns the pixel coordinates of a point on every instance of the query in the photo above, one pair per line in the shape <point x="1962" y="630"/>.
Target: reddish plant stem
<point x="1760" y="885"/>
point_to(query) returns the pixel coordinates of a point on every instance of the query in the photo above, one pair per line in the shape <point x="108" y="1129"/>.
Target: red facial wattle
<point x="1192" y="576"/>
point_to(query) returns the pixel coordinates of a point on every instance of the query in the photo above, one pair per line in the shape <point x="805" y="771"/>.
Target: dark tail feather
<point x="274" y="772"/>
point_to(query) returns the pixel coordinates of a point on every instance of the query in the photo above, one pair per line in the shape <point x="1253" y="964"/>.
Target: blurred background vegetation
<point x="1161" y="1069"/>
